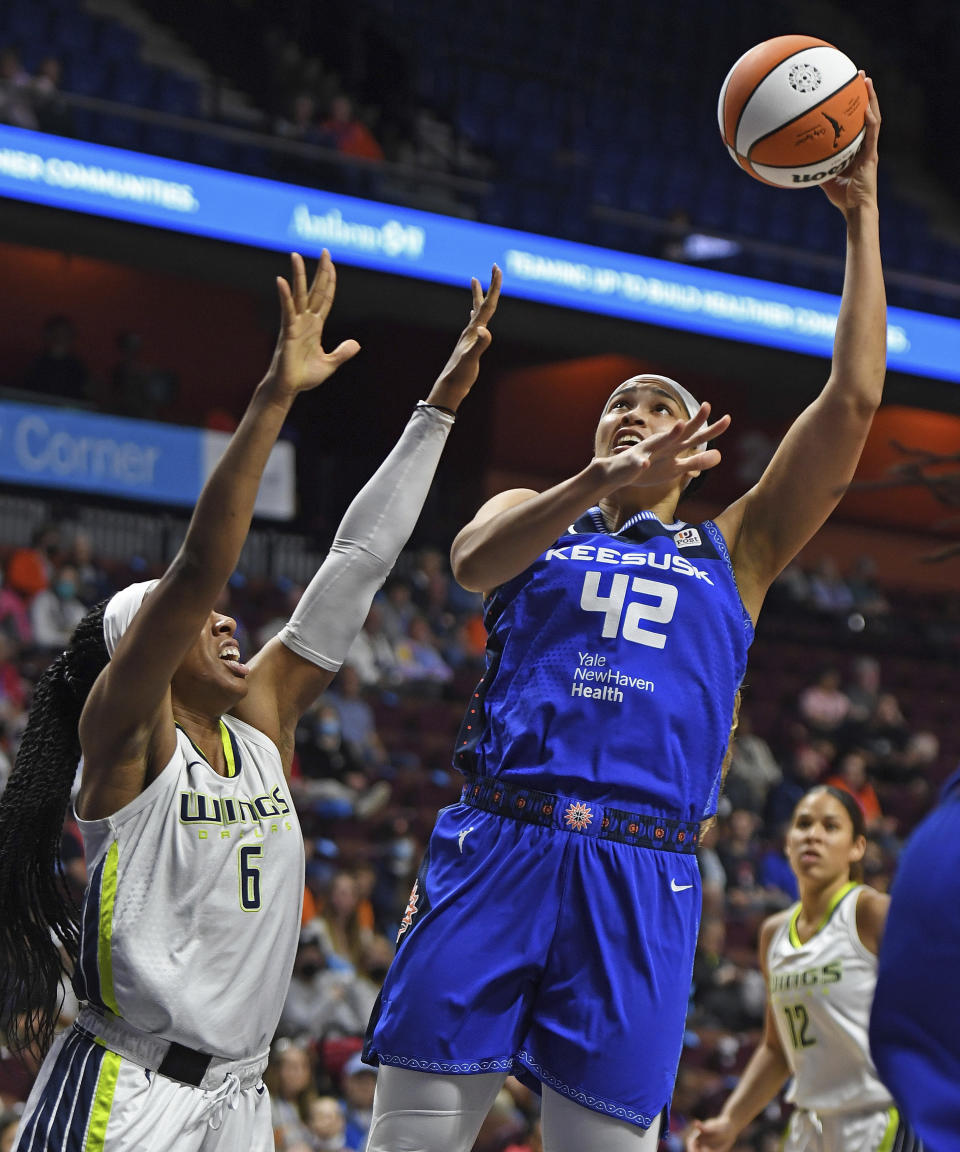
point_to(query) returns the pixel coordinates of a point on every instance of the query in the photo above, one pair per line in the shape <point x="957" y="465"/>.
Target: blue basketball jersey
<point x="611" y="670"/>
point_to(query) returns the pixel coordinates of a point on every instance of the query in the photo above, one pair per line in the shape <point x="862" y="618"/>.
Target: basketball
<point x="792" y="111"/>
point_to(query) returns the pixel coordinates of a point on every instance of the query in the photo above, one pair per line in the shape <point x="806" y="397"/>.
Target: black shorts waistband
<point x="570" y="814"/>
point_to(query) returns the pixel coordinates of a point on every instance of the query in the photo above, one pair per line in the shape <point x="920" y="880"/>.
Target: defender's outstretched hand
<point x="856" y="187"/>
<point x="461" y="370"/>
<point x="299" y="361"/>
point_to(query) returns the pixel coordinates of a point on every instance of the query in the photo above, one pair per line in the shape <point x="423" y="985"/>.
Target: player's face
<point x="636" y="410"/>
<point x="214" y="661"/>
<point x="821" y="843"/>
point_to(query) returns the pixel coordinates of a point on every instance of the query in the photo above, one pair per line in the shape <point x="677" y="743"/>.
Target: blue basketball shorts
<point x="915" y="1021"/>
<point x="547" y="950"/>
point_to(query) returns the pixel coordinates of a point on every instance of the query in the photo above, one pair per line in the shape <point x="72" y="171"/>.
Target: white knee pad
<point x="424" y="1112"/>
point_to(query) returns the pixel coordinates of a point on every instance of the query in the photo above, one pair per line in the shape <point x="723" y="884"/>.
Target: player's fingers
<point x="287" y="311"/>
<point x="298" y="281"/>
<point x="489" y="302"/>
<point x="324" y="287"/>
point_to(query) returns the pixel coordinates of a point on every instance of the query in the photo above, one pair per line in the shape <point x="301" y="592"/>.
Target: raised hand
<point x="857" y="185"/>
<point x="299" y="361"/>
<point x="663" y="457"/>
<point x="460" y="372"/>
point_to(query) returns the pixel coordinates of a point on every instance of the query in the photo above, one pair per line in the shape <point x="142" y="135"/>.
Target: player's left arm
<point x="872" y="908"/>
<point x="817" y="458"/>
<point x="294" y="668"/>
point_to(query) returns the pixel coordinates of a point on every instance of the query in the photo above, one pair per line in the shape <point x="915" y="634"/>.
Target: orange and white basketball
<point x="792" y="111"/>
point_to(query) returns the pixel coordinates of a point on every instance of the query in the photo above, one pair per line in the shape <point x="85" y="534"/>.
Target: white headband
<point x="692" y="405"/>
<point x="121" y="610"/>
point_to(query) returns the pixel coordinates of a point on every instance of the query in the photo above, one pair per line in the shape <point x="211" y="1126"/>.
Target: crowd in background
<point x="373" y="766"/>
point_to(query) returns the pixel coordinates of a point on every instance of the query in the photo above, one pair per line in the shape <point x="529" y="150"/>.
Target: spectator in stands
<point x="290" y="1080"/>
<point x="724" y="994"/>
<point x="824" y="706"/>
<point x="57" y="610"/>
<point x="851" y="775"/>
<point x="863" y="690"/>
<point x="53" y="113"/>
<point x="327" y="1122"/>
<point x="30" y="567"/>
<point x="753" y="768"/>
<point x="58" y="371"/>
<point x="139" y="388"/>
<point x="93" y="583"/>
<point x="885" y="736"/>
<point x="321" y="997"/>
<point x="349" y="133"/>
<point x="348" y="930"/>
<point x="16" y="95"/>
<point x="829" y="592"/>
<point x="397" y="607"/>
<point x="359" y="1082"/>
<point x="868" y="597"/>
<point x="357" y="723"/>
<point x="807" y="766"/>
<point x="14" y="617"/>
<point x="372" y="654"/>
<point x="333" y="781"/>
<point x="419" y="663"/>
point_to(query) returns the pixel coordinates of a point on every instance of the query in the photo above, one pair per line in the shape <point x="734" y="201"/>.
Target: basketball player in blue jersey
<point x="915" y="1024"/>
<point x="552" y="927"/>
<point x="189" y="925"/>
<point x="819" y="958"/>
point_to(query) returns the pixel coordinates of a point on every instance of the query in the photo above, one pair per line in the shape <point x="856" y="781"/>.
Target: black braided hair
<point x="36" y="909"/>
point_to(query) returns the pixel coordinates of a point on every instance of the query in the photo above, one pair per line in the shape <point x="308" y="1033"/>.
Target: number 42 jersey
<point x="612" y="665"/>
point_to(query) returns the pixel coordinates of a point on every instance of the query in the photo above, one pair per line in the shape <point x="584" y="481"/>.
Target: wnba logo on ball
<point x="804" y="78"/>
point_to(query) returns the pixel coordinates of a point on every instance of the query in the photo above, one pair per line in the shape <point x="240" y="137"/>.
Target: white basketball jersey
<point x="820" y="993"/>
<point x="192" y="911"/>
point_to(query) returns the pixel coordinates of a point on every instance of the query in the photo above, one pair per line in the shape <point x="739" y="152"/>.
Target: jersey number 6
<point x="611" y="606"/>
<point x="248" y="866"/>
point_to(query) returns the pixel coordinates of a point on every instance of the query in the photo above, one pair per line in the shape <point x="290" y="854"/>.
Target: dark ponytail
<point x="36" y="909"/>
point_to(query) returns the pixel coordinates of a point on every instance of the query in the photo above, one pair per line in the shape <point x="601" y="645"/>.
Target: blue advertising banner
<point x="189" y="198"/>
<point x="51" y="447"/>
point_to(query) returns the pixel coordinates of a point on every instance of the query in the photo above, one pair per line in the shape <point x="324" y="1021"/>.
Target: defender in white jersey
<point x="189" y="926"/>
<point x="820" y="962"/>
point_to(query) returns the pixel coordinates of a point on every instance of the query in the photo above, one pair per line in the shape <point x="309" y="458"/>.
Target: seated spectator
<point x="347" y="922"/>
<point x="322" y="998"/>
<point x="93" y="583"/>
<point x="359" y="1082"/>
<point x="350" y="135"/>
<point x="868" y="597"/>
<point x="58" y="370"/>
<point x="357" y="723"/>
<point x="56" y="611"/>
<point x="30" y="567"/>
<point x="753" y="768"/>
<point x="332" y="778"/>
<point x="884" y="737"/>
<point x="16" y="94"/>
<point x="852" y="776"/>
<point x="327" y="1122"/>
<point x="807" y="767"/>
<point x="290" y="1081"/>
<point x="724" y="994"/>
<point x="372" y="654"/>
<point x="829" y="592"/>
<point x="824" y="706"/>
<point x="14" y="617"/>
<point x="397" y="607"/>
<point x="419" y="662"/>
<point x="863" y="690"/>
<point x="53" y="113"/>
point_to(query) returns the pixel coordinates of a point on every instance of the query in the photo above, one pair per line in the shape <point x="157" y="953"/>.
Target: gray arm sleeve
<point x="374" y="529"/>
